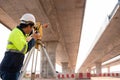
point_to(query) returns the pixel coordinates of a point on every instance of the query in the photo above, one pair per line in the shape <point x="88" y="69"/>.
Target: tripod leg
<point x="34" y="65"/>
<point x="46" y="54"/>
<point x="35" y="62"/>
<point x="32" y="73"/>
<point x="23" y="69"/>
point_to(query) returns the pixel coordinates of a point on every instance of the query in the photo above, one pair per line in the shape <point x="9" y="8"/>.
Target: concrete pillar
<point x="69" y="70"/>
<point x="98" y="67"/>
<point x="64" y="67"/>
<point x="46" y="70"/>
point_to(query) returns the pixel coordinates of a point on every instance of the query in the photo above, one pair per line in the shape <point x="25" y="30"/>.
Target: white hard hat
<point x="28" y="17"/>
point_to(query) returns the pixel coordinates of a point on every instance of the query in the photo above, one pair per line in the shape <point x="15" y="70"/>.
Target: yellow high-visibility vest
<point x="17" y="41"/>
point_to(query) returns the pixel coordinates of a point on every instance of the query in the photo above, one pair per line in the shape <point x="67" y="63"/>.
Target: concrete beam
<point x="6" y="20"/>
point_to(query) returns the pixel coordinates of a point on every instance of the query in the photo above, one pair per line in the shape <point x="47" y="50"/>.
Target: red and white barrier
<point x="64" y="76"/>
<point x="75" y="76"/>
<point x="106" y="75"/>
<point x="84" y="76"/>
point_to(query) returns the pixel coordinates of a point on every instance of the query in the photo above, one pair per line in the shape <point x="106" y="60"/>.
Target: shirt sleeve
<point x="31" y="43"/>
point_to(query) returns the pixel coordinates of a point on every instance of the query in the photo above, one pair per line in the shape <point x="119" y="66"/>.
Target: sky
<point x="4" y="34"/>
<point x="95" y="21"/>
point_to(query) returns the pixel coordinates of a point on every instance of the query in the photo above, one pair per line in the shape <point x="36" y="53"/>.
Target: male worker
<point x="19" y="43"/>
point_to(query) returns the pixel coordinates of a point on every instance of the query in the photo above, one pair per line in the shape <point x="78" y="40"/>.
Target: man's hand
<point x="45" y="25"/>
<point x="28" y="38"/>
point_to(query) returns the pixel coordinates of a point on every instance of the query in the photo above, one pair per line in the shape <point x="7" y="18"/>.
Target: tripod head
<point x="38" y="28"/>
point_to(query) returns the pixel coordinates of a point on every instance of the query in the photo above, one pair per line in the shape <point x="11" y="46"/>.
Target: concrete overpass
<point x="65" y="18"/>
<point x="107" y="47"/>
<point x="62" y="37"/>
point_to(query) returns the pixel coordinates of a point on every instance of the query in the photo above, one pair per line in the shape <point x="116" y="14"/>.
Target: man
<point x="19" y="43"/>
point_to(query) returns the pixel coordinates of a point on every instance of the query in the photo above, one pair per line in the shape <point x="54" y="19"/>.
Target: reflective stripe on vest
<point x="12" y="50"/>
<point x="10" y="43"/>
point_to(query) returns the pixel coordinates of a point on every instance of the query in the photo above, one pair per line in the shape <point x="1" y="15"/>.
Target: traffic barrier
<point x="66" y="76"/>
<point x="106" y="75"/>
<point x="75" y="76"/>
<point x="84" y="76"/>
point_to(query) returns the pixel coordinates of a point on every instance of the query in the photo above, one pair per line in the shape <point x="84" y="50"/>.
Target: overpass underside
<point x="62" y="37"/>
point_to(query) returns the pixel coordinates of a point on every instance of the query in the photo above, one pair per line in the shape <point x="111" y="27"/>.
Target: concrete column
<point x="46" y="70"/>
<point x="64" y="67"/>
<point x="69" y="70"/>
<point x="98" y="67"/>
